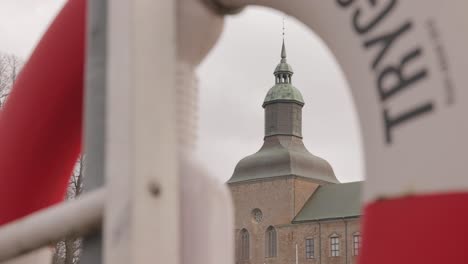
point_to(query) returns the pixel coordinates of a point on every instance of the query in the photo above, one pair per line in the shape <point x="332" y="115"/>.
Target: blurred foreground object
<point x="40" y="125"/>
<point x="146" y="146"/>
<point x="405" y="62"/>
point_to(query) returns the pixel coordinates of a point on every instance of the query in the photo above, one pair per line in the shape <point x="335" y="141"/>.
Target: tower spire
<point x="283" y="48"/>
<point x="283" y="72"/>
<point x="283" y="53"/>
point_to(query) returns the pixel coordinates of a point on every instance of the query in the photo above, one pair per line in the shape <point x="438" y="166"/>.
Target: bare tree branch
<point x="68" y="250"/>
<point x="10" y="66"/>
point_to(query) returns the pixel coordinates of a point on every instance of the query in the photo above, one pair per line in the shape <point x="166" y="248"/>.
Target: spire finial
<point x="283" y="53"/>
<point x="283" y="48"/>
<point x="283" y="28"/>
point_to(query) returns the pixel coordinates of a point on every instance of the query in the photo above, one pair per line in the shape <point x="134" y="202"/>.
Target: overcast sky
<point x="234" y="80"/>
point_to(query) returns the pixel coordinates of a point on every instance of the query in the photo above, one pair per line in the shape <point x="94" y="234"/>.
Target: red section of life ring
<point x="419" y="229"/>
<point x="40" y="125"/>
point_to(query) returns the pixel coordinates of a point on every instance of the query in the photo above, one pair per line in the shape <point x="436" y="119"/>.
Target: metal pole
<point x="346" y="240"/>
<point x="297" y="260"/>
<point x="95" y="115"/>
<point x="47" y="226"/>
<point x="320" y="242"/>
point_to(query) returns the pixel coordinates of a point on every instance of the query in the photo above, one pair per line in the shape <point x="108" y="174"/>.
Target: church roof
<point x="332" y="201"/>
<point x="283" y="156"/>
<point x="283" y="92"/>
<point x="283" y="67"/>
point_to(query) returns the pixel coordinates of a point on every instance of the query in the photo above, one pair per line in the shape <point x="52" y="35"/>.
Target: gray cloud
<point x="236" y="76"/>
<point x="233" y="82"/>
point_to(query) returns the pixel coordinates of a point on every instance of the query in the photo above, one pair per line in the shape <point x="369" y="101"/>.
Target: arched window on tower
<point x="270" y="242"/>
<point x="244" y="245"/>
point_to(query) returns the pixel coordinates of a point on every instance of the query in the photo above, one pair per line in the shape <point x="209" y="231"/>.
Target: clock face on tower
<point x="257" y="215"/>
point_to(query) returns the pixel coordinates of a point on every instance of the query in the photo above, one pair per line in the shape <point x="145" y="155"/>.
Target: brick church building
<point x="289" y="206"/>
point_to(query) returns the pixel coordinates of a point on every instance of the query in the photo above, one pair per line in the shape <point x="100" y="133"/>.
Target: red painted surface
<point x="40" y="125"/>
<point x="421" y="229"/>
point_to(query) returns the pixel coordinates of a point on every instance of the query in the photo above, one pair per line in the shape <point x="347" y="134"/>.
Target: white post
<point x="206" y="213"/>
<point x="142" y="213"/>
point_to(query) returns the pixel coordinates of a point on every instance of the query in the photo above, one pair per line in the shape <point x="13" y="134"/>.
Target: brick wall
<point x="280" y="199"/>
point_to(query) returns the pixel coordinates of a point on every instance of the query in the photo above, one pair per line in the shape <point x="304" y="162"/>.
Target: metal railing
<point x="46" y="227"/>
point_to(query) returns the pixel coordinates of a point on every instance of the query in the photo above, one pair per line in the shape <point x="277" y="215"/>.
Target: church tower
<point x="270" y="187"/>
<point x="283" y="152"/>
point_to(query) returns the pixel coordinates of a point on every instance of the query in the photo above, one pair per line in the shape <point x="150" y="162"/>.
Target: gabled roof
<point x="332" y="201"/>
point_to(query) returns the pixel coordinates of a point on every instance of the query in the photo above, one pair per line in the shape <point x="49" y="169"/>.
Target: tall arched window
<point x="270" y="242"/>
<point x="244" y="246"/>
<point x="310" y="248"/>
<point x="334" y="245"/>
<point x="356" y="243"/>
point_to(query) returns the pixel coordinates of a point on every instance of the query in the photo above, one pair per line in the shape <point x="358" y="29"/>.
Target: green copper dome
<point x="283" y="67"/>
<point x="283" y="92"/>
